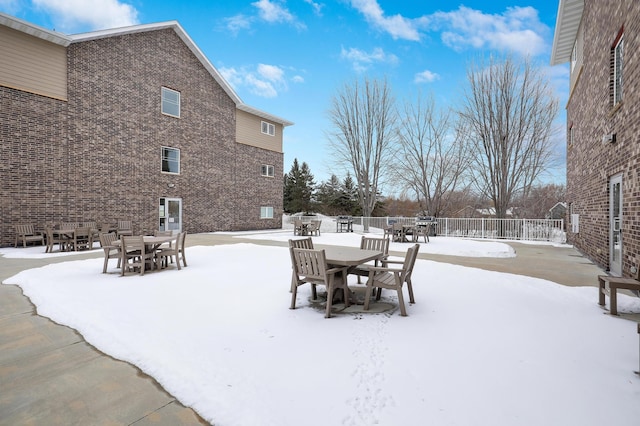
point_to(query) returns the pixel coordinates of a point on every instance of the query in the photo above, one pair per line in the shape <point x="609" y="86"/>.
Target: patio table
<point x="152" y="242"/>
<point x="349" y="256"/>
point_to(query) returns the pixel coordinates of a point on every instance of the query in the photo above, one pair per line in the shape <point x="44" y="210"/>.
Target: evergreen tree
<point x="298" y="188"/>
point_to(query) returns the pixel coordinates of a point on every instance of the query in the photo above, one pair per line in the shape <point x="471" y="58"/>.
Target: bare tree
<point x="432" y="158"/>
<point x="363" y="116"/>
<point x="509" y="109"/>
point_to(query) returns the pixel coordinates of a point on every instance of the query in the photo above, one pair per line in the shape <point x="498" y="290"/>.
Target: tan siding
<point x="32" y="65"/>
<point x="248" y="132"/>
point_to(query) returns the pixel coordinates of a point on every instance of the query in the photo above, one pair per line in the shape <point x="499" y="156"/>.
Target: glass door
<point x="170" y="214"/>
<point x="615" y="225"/>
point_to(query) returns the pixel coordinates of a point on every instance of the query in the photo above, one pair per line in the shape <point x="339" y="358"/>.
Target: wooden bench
<point x="609" y="285"/>
<point x="27" y="234"/>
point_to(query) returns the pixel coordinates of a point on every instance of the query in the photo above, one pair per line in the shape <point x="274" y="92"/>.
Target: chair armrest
<point x="382" y="269"/>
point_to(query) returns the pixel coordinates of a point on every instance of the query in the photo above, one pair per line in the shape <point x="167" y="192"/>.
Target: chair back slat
<point x="311" y="264"/>
<point x="377" y="244"/>
<point x="25" y="229"/>
<point x="304" y="243"/>
<point x="107" y="239"/>
<point x="409" y="262"/>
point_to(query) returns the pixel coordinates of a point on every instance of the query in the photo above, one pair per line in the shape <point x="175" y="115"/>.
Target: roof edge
<point x="34" y="30"/>
<point x="266" y="115"/>
<point x="566" y="29"/>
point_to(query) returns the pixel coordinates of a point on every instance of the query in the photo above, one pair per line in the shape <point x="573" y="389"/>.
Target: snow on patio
<point x="477" y="348"/>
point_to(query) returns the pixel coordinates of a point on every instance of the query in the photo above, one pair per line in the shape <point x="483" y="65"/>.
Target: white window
<point x="266" y="212"/>
<point x="617" y="71"/>
<point x="170" y="160"/>
<point x="268" y="170"/>
<point x="268" y="128"/>
<point x="170" y="102"/>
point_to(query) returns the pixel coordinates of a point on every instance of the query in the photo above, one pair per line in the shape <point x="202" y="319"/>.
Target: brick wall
<point x="97" y="156"/>
<point x="590" y="162"/>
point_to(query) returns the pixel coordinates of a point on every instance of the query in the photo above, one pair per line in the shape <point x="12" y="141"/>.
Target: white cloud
<point x="397" y="26"/>
<point x="237" y="23"/>
<point x="361" y="60"/>
<point x="297" y="79"/>
<point x="273" y="12"/>
<point x="317" y="7"/>
<point x="265" y="80"/>
<point x="68" y="15"/>
<point x="426" y="76"/>
<point x="518" y="29"/>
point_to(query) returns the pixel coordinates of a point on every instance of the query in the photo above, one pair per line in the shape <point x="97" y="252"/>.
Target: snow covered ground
<point x="478" y="347"/>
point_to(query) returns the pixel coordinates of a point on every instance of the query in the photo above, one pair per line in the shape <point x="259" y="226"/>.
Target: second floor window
<point x="268" y="170"/>
<point x="170" y="102"/>
<point x="617" y="71"/>
<point x="268" y="128"/>
<point x="170" y="160"/>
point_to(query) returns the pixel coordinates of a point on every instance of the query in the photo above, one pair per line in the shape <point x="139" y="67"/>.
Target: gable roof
<point x="567" y="24"/>
<point x="66" y="40"/>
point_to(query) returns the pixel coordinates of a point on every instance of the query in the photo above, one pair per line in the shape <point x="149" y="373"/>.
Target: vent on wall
<point x="609" y="138"/>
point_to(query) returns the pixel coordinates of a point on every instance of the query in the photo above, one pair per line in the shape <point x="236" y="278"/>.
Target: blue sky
<point x="289" y="57"/>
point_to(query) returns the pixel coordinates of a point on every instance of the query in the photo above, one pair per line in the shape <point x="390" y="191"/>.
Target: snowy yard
<point x="478" y="347"/>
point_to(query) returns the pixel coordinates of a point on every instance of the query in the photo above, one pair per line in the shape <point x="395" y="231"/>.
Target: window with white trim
<point x="266" y="212"/>
<point x="268" y="128"/>
<point x="617" y="70"/>
<point x="268" y="170"/>
<point x="170" y="102"/>
<point x="170" y="160"/>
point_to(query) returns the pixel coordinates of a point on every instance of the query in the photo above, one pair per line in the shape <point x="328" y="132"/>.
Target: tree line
<point x="492" y="149"/>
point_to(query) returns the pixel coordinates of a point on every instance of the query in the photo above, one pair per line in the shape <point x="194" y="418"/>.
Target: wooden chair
<point x="310" y="266"/>
<point x="27" y="234"/>
<point x="124" y="228"/>
<point x="82" y="239"/>
<point x="133" y="254"/>
<point x="164" y="254"/>
<point x="53" y="239"/>
<point x="110" y="250"/>
<point x="421" y="231"/>
<point x="314" y="227"/>
<point x="298" y="227"/>
<point x="397" y="231"/>
<point x="304" y="243"/>
<point x="368" y="243"/>
<point x="393" y="278"/>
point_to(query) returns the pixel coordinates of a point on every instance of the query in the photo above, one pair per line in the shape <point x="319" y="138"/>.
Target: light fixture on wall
<point x="171" y="185"/>
<point x="609" y="138"/>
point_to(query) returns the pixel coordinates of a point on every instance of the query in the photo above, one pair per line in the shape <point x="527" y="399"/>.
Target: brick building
<point x="598" y="38"/>
<point x="133" y="123"/>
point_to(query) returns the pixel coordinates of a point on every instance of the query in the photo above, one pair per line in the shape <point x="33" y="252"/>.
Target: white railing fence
<point x="488" y="228"/>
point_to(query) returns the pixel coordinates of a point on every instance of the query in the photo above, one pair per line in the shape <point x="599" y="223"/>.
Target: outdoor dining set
<point x="331" y="266"/>
<point x="134" y="253"/>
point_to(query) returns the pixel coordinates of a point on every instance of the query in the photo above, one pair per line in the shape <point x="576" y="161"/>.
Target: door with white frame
<point x="615" y="225"/>
<point x="170" y="214"/>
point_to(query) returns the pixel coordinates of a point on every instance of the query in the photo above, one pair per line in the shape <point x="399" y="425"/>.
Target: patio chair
<point x="369" y="243"/>
<point x="310" y="266"/>
<point x="133" y="254"/>
<point x="314" y="227"/>
<point x="305" y="243"/>
<point x="163" y="254"/>
<point x="298" y="227"/>
<point x="124" y="228"/>
<point x="392" y="278"/>
<point x="27" y="234"/>
<point x="421" y="231"/>
<point x="110" y="250"/>
<point x="82" y="239"/>
<point x="53" y="239"/>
